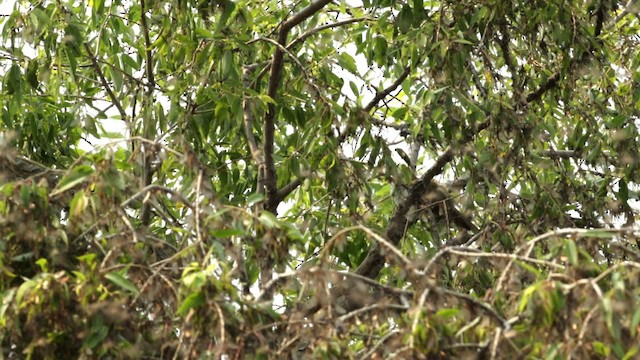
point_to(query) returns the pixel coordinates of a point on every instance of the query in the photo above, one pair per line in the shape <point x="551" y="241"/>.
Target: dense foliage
<point x="319" y="179"/>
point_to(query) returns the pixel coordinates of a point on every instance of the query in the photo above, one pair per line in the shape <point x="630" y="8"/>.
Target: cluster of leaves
<point x="319" y="179"/>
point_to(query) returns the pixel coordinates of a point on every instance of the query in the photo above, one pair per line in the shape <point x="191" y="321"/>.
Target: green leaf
<point x="400" y="113"/>
<point x="226" y="233"/>
<point x="129" y="61"/>
<point x="6" y="299"/>
<point x="75" y="176"/>
<point x="631" y="353"/>
<point x="43" y="264"/>
<point x="32" y="74"/>
<point x="526" y="296"/>
<point x="228" y="8"/>
<point x="635" y="321"/>
<point x="529" y="268"/>
<point x="293" y="232"/>
<point x="447" y="313"/>
<point x="601" y="349"/>
<point x="73" y="38"/>
<point x="42" y="16"/>
<point x="404" y="21"/>
<point x="463" y="41"/>
<point x="116" y="77"/>
<point x="380" y="49"/>
<point x="354" y="88"/>
<point x="13" y="80"/>
<point x="227" y="63"/>
<point x="623" y="192"/>
<point x="571" y="251"/>
<point x="348" y="63"/>
<point x="192" y="301"/>
<point x="119" y="280"/>
<point x="97" y="334"/>
<point x="255" y="198"/>
<point x="269" y="220"/>
<point x="78" y="204"/>
<point x="24" y="289"/>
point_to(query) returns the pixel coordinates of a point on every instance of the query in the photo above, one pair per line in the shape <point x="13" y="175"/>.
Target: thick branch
<point x="288" y="189"/>
<point x="561" y="154"/>
<point x="303" y="15"/>
<point x="272" y="90"/>
<point x="551" y="83"/>
<point x="398" y="225"/>
<point x="147" y="171"/>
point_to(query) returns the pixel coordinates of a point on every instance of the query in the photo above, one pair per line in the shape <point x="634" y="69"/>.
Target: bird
<point x="15" y="168"/>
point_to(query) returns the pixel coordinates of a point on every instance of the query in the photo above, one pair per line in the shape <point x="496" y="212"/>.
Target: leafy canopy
<point x="319" y="179"/>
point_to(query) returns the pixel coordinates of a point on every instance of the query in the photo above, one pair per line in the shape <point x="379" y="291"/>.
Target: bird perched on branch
<point x="435" y="204"/>
<point x="13" y="168"/>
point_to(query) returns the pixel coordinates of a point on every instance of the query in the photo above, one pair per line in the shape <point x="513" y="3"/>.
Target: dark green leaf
<point x="122" y="282"/>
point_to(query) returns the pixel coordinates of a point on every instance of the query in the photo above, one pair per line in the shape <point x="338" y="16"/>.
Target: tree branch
<point x="297" y="62"/>
<point x="157" y="188"/>
<point x="147" y="171"/>
<point x="105" y="84"/>
<point x="14" y="168"/>
<point x="477" y="303"/>
<point x="270" y="182"/>
<point x="382" y="94"/>
<point x="256" y="152"/>
<point x="288" y="189"/>
<point x="303" y="15"/>
<point x="553" y="81"/>
<point x="148" y="44"/>
<point x="374" y="102"/>
<point x="504" y="42"/>
<point x="381" y="123"/>
<point x="314" y="31"/>
<point x="373" y="263"/>
<point x="398" y="224"/>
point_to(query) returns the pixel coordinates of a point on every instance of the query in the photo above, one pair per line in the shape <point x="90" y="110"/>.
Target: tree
<point x="320" y="179"/>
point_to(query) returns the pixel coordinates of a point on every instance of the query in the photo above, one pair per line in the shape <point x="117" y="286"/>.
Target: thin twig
<point x="254" y="147"/>
<point x="583" y="330"/>
<point x="377" y="345"/>
<point x="154" y="187"/>
<point x="314" y="31"/>
<point x="197" y="209"/>
<point x="382" y="94"/>
<point x="105" y="84"/>
<point x="494" y="344"/>
<point x="222" y="339"/>
<point x="364" y="309"/>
